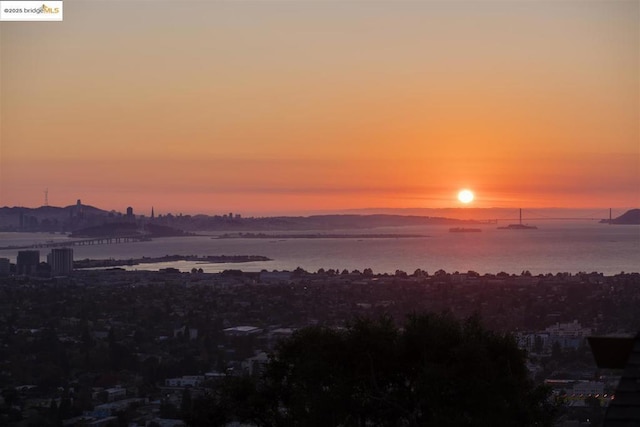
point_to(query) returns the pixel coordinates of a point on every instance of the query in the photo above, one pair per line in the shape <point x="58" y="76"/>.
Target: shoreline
<point x="318" y="236"/>
<point x="207" y="259"/>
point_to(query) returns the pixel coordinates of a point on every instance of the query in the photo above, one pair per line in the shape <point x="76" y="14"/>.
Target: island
<point x="207" y="259"/>
<point x="316" y="236"/>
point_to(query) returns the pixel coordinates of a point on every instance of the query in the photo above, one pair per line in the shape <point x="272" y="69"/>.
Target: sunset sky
<point x="260" y="107"/>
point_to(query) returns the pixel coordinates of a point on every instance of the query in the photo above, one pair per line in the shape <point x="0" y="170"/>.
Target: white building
<point x="568" y="335"/>
<point x="533" y="342"/>
<point x="185" y="381"/>
<point x="241" y="331"/>
<point x="115" y="393"/>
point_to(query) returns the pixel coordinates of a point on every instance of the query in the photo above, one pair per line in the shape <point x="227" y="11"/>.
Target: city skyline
<point x="274" y="107"/>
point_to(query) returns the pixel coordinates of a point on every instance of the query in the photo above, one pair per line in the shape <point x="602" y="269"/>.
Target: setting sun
<point x="323" y="121"/>
<point x="465" y="196"/>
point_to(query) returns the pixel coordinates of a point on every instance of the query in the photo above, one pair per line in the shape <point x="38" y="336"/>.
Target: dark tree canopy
<point x="435" y="371"/>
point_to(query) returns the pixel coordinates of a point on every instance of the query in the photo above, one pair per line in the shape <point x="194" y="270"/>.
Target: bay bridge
<point x="81" y="242"/>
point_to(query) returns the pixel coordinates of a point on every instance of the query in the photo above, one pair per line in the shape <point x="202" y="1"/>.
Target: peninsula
<point x="317" y="236"/>
<point x="209" y="259"/>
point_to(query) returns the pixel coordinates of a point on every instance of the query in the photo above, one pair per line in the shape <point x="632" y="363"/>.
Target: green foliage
<point x="186" y="402"/>
<point x="169" y="410"/>
<point x="435" y="371"/>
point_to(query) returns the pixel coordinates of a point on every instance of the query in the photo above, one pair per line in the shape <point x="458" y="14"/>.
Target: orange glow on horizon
<point x="245" y="108"/>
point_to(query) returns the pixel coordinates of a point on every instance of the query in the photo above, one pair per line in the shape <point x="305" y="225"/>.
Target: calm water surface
<point x="557" y="246"/>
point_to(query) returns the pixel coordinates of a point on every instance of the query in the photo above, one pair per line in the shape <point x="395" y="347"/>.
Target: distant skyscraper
<point x="61" y="261"/>
<point x="27" y="262"/>
<point x="152" y="213"/>
<point x="79" y="211"/>
<point x="5" y="267"/>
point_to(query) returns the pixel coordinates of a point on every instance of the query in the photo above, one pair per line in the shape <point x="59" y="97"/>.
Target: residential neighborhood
<point x="114" y="347"/>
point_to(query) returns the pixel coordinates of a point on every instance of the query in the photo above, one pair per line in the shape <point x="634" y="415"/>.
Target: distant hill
<point x="303" y="223"/>
<point x="49" y="211"/>
<point x="629" y="217"/>
<point x="52" y="212"/>
<point x="89" y="221"/>
<point x="51" y="218"/>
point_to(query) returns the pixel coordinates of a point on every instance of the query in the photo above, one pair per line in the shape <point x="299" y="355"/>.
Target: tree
<point x="53" y="413"/>
<point x="208" y="411"/>
<point x="305" y="379"/>
<point x="594" y="410"/>
<point x="436" y="371"/>
<point x="556" y="351"/>
<point x="168" y="410"/>
<point x="185" y="403"/>
<point x="538" y="344"/>
<point x="64" y="410"/>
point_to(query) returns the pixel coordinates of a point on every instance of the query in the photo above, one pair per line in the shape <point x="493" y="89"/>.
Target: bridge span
<point x="81" y="242"/>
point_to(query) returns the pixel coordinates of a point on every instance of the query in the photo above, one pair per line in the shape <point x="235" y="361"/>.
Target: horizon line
<point x="342" y="211"/>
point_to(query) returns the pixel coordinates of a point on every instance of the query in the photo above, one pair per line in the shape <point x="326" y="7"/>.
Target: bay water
<point x="556" y="246"/>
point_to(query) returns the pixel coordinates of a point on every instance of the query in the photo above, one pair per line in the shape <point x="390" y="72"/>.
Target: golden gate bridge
<point x="534" y="214"/>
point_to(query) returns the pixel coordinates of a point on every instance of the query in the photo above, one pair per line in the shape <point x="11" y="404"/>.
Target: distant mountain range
<point x="52" y="211"/>
<point x="82" y="217"/>
<point x="53" y="218"/>
<point x="89" y="220"/>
